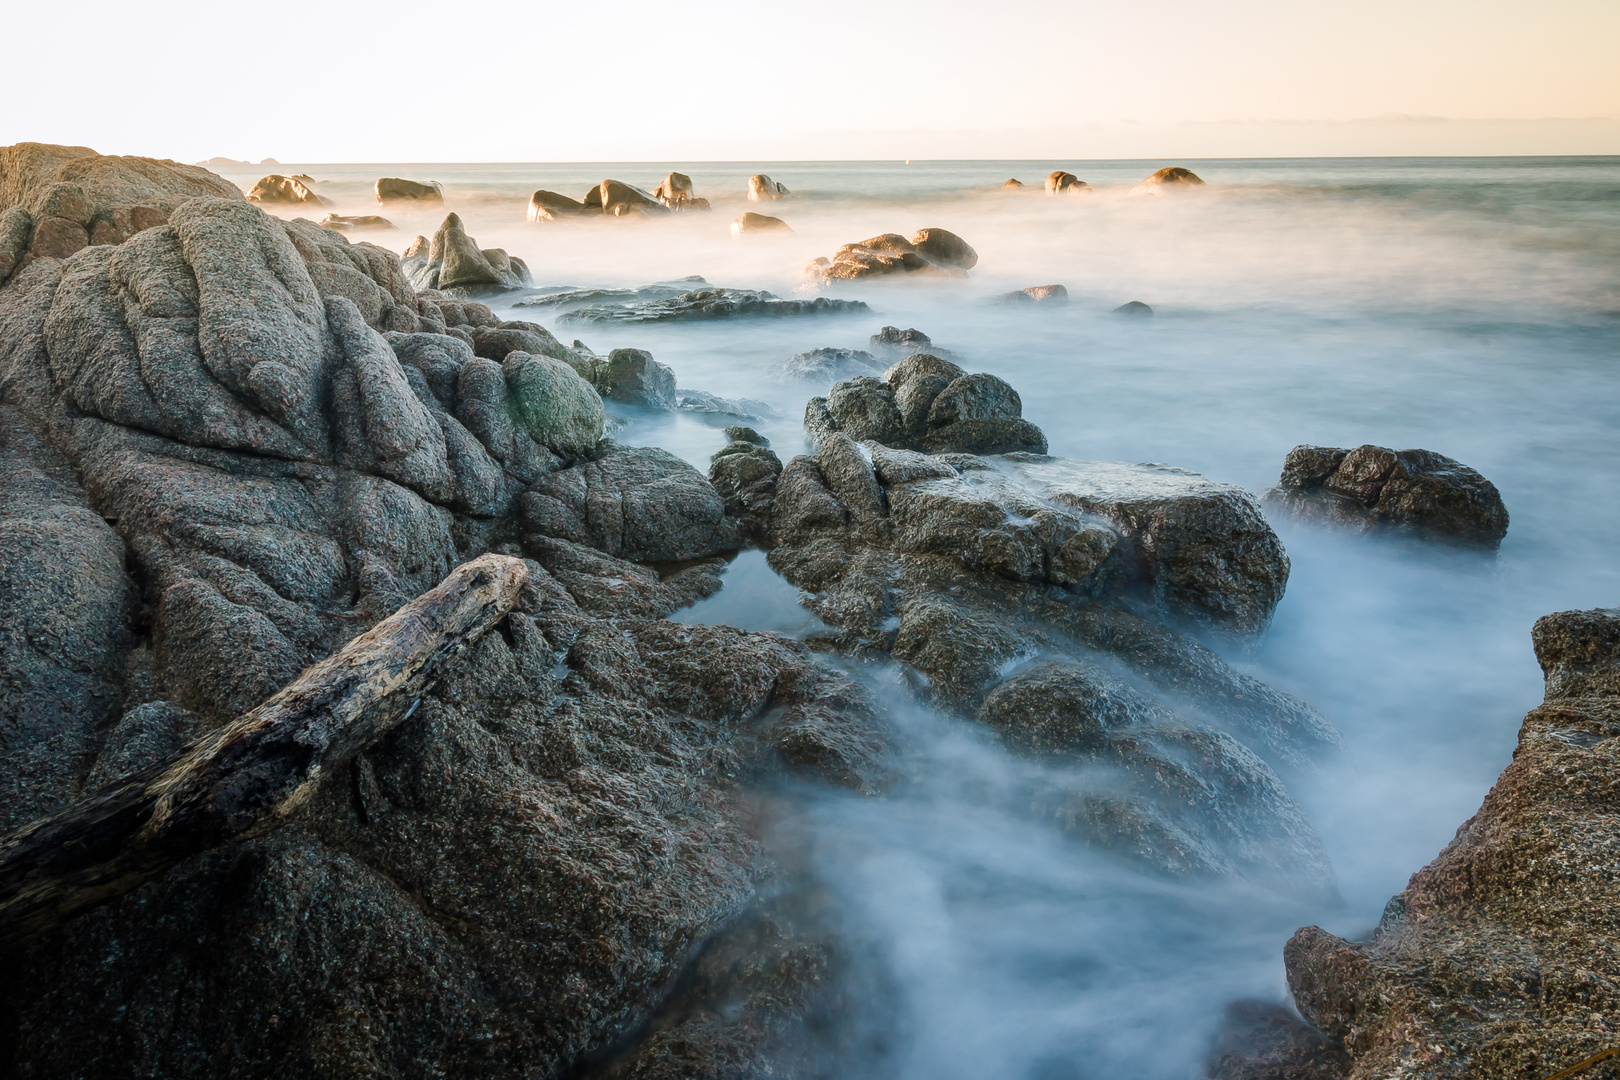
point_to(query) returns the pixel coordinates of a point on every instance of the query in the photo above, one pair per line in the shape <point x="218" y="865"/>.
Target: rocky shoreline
<point x="237" y="453"/>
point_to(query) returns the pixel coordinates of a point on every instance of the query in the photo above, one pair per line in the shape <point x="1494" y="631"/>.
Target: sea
<point x="1469" y="306"/>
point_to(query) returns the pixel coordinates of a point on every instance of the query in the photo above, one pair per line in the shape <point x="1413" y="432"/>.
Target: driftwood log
<point x="249" y="776"/>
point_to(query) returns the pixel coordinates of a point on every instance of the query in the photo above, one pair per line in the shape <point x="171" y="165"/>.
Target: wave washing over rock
<point x="349" y="728"/>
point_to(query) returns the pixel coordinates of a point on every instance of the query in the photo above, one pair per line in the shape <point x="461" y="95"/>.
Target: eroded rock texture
<point x="1498" y="958"/>
<point x="228" y="445"/>
<point x="1371" y="488"/>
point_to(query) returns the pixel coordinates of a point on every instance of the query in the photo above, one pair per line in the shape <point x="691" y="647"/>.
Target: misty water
<point x="1470" y="307"/>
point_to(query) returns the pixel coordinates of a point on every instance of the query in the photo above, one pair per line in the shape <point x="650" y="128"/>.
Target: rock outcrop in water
<point x="1371" y="488"/>
<point x="703" y="304"/>
<point x="1002" y="582"/>
<point x="393" y="189"/>
<point x="1037" y="294"/>
<point x="277" y="190"/>
<point x="1066" y="183"/>
<point x="826" y="366"/>
<point x="927" y="403"/>
<point x="453" y="263"/>
<point x="937" y="250"/>
<point x="230" y="445"/>
<point x="1497" y="959"/>
<point x="362" y="223"/>
<point x="1173" y="178"/>
<point x="752" y="224"/>
<point x="762" y="188"/>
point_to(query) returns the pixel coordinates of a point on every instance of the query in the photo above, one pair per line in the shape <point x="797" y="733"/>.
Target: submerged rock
<point x="711" y="304"/>
<point x="826" y="366"/>
<point x="1134" y="309"/>
<point x="1012" y="183"/>
<point x="1037" y="294"/>
<point x="762" y="188"/>
<point x="393" y="189"/>
<point x="927" y="403"/>
<point x="453" y="261"/>
<point x="276" y="190"/>
<point x="563" y="298"/>
<point x="1497" y="958"/>
<point x="751" y="223"/>
<point x="1371" y="488"/>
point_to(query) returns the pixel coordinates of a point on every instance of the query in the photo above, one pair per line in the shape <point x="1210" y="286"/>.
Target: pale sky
<point x="631" y="81"/>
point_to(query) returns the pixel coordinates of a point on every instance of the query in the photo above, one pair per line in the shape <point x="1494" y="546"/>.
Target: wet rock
<point x="944" y="248"/>
<point x="1371" y="488"/>
<point x="1036" y="294"/>
<point x="1173" y="178"/>
<point x="1134" y="309"/>
<point x="635" y="378"/>
<point x="927" y="403"/>
<point x="567" y="298"/>
<point x="550" y="206"/>
<point x="1242" y="822"/>
<point x="1066" y="183"/>
<point x="762" y="188"/>
<point x="362" y="223"/>
<point x="967" y="568"/>
<point x="892" y="343"/>
<point x="453" y="261"/>
<point x="704" y="403"/>
<point x="637" y="503"/>
<point x="390" y="189"/>
<point x="711" y="304"/>
<point x="827" y="365"/>
<point x="750" y="223"/>
<point x="744" y="473"/>
<point x="1260" y="1040"/>
<point x="277" y="190"/>
<point x="1496" y="959"/>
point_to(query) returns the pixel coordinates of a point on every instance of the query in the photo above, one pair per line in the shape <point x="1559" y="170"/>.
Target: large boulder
<point x="392" y="189"/>
<point x="277" y="190"/>
<point x="762" y="188"/>
<point x="616" y="198"/>
<point x="558" y="408"/>
<point x="927" y="403"/>
<point x="454" y="262"/>
<point x="1371" y="488"/>
<point x="675" y="191"/>
<point x="1497" y="959"/>
<point x="944" y="248"/>
<point x="56" y="200"/>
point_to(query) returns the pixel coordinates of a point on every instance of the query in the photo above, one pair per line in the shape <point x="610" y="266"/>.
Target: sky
<point x="413" y="81"/>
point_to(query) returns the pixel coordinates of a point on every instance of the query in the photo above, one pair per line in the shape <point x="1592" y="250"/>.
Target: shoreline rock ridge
<point x="231" y="445"/>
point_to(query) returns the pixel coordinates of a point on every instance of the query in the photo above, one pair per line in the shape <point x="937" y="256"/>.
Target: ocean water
<point x="1468" y="306"/>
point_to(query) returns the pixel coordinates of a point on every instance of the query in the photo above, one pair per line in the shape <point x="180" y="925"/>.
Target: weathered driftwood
<point x="247" y="777"/>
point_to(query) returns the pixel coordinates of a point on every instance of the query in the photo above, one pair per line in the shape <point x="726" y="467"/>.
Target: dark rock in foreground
<point x="229" y="445"/>
<point x="1498" y="958"/>
<point x="1371" y="488"/>
<point x="1259" y="1040"/>
<point x="712" y="304"/>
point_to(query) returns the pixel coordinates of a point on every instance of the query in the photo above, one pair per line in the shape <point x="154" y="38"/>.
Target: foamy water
<point x="1467" y="306"/>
